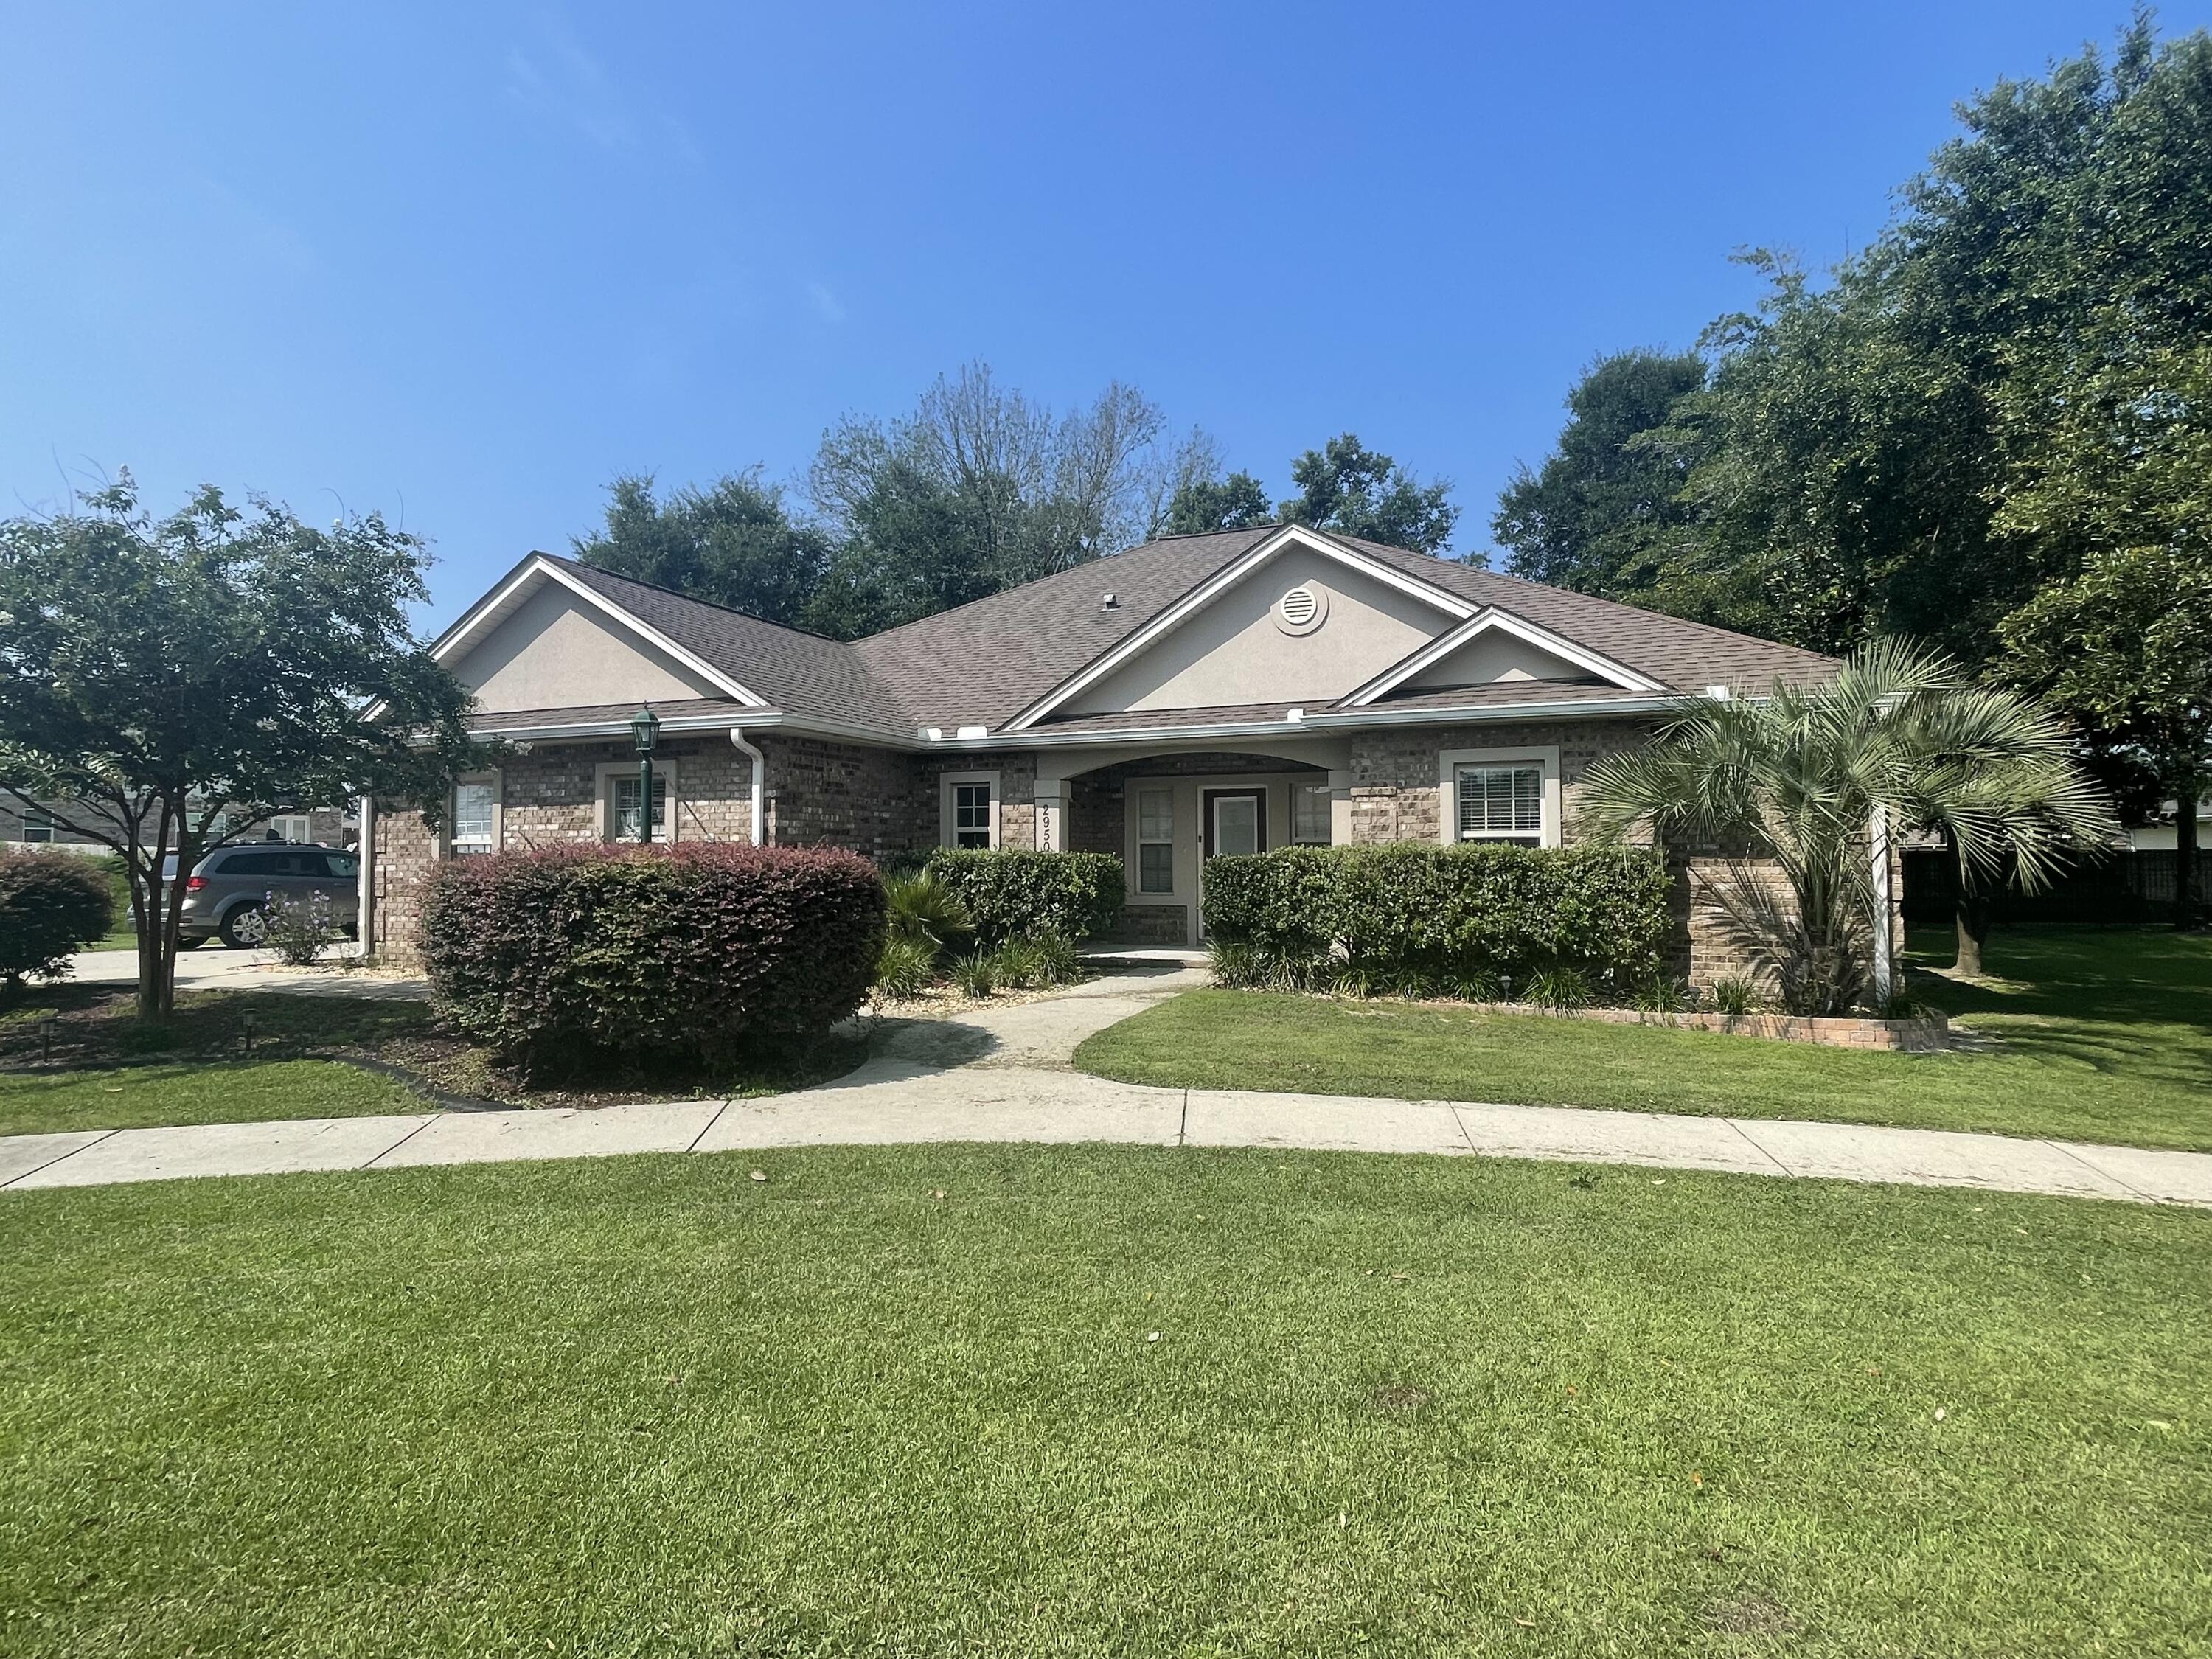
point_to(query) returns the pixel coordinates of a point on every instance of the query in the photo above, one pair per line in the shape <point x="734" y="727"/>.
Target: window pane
<point x="1309" y="824"/>
<point x="626" y="809"/>
<point x="971" y="815"/>
<point x="473" y="816"/>
<point x="37" y="826"/>
<point x="1156" y="815"/>
<point x="344" y="866"/>
<point x="1501" y="803"/>
<point x="1155" y="867"/>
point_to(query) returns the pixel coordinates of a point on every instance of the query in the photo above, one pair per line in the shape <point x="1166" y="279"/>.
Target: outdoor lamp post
<point x="645" y="731"/>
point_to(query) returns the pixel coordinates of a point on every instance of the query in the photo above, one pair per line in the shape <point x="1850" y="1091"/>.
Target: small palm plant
<point x="926" y="912"/>
<point x="1792" y="782"/>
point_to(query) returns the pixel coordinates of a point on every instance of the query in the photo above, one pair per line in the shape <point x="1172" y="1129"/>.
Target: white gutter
<point x="1312" y="721"/>
<point x="364" y="925"/>
<point x="760" y="782"/>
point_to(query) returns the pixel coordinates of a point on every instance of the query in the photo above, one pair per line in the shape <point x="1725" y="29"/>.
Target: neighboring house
<point x="2160" y="837"/>
<point x="1199" y="695"/>
<point x="46" y="825"/>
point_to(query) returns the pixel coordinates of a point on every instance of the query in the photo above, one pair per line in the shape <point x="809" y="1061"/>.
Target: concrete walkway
<point x="1001" y="1074"/>
<point x="214" y="967"/>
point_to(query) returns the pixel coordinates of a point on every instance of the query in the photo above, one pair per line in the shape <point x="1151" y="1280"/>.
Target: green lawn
<point x="902" y="1400"/>
<point x="107" y="1071"/>
<point x="2102" y="1035"/>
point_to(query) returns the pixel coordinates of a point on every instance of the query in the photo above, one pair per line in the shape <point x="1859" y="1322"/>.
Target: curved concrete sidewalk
<point x="1001" y="1074"/>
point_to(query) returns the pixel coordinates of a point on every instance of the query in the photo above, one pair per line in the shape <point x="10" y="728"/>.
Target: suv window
<point x="344" y="865"/>
<point x="251" y="864"/>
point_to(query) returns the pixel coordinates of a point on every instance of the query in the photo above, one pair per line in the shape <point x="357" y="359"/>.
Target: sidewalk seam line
<point x="371" y="1163"/>
<point x="60" y="1157"/>
<point x="693" y="1145"/>
<point x="1756" y="1147"/>
<point x="2060" y="1146"/>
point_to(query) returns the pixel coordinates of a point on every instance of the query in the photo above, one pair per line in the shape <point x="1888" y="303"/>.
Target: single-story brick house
<point x="1223" y="692"/>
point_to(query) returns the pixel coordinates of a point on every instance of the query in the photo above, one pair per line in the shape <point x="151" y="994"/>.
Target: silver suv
<point x="227" y="894"/>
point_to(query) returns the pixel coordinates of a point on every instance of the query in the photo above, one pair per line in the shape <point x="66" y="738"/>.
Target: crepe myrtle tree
<point x="1795" y="779"/>
<point x="220" y="663"/>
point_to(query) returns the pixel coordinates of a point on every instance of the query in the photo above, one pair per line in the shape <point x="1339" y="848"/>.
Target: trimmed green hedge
<point x="1011" y="894"/>
<point x="1410" y="913"/>
<point x="51" y="906"/>
<point x="699" y="952"/>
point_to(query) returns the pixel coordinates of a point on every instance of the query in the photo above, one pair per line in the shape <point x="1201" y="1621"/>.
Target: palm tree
<point x="1790" y="785"/>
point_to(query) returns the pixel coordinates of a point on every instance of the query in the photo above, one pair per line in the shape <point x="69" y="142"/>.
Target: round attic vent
<point x="1302" y="610"/>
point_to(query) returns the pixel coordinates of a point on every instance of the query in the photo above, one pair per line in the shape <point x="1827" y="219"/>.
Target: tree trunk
<point x="2188" y="903"/>
<point x="1974" y="911"/>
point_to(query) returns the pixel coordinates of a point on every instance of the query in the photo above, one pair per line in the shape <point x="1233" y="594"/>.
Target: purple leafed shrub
<point x="699" y="953"/>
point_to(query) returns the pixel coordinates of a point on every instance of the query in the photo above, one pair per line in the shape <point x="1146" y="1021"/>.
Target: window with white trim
<point x="1502" y="803"/>
<point x="971" y="815"/>
<point x="293" y="826"/>
<point x="1311" y="813"/>
<point x="1156" y="840"/>
<point x="38" y="827"/>
<point x="624" y="804"/>
<point x="475" y="827"/>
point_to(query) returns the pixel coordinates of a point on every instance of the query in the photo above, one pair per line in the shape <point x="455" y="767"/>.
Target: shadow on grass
<point x="2115" y="975"/>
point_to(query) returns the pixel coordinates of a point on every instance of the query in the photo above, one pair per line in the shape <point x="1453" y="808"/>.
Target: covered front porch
<point x="1166" y="811"/>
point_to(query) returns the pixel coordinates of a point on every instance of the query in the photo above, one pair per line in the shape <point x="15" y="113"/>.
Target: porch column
<point x="1051" y="798"/>
<point x="1339" y="805"/>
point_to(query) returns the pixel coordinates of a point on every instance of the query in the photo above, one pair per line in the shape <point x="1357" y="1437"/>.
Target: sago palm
<point x="1787" y="784"/>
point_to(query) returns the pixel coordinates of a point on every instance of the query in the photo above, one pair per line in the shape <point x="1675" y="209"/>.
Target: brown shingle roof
<point x="799" y="673"/>
<point x="983" y="663"/>
<point x="1687" y="656"/>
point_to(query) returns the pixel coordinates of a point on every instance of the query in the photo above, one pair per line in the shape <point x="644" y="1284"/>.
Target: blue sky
<point x="466" y="263"/>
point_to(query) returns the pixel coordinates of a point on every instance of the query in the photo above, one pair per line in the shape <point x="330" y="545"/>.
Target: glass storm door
<point x="1237" y="822"/>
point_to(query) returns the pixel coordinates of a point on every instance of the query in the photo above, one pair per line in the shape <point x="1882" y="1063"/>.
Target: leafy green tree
<point x="1345" y="486"/>
<point x="1796" y="777"/>
<point x="156" y="676"/>
<point x="980" y="489"/>
<point x="1604" y="511"/>
<point x="2014" y="378"/>
<point x="1238" y="501"/>
<point x="732" y="543"/>
<point x="2126" y="648"/>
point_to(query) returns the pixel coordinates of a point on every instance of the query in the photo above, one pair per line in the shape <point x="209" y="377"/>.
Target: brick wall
<point x="1017" y="771"/>
<point x="839" y="794"/>
<point x="1394" y="773"/>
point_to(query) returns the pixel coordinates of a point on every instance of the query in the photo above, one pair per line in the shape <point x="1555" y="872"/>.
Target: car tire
<point x="245" y="927"/>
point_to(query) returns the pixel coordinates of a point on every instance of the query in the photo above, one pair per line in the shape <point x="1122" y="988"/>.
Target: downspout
<point x="364" y="849"/>
<point x="760" y="782"/>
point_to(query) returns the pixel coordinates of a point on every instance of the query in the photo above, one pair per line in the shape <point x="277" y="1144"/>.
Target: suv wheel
<point x="245" y="927"/>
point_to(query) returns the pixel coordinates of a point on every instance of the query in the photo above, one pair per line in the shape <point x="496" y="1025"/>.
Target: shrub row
<point x="1446" y="914"/>
<point x="697" y="952"/>
<point x="51" y="905"/>
<point x="1010" y="894"/>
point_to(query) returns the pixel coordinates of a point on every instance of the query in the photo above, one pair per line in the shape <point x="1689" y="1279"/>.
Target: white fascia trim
<point x="1637" y="704"/>
<point x="1212" y="588"/>
<point x="539" y="566"/>
<point x="1505" y="622"/>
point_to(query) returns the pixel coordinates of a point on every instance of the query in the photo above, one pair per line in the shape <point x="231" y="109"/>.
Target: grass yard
<point x="2102" y="1035"/>
<point x="906" y="1401"/>
<point x="107" y="1071"/>
<point x="103" y="1069"/>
